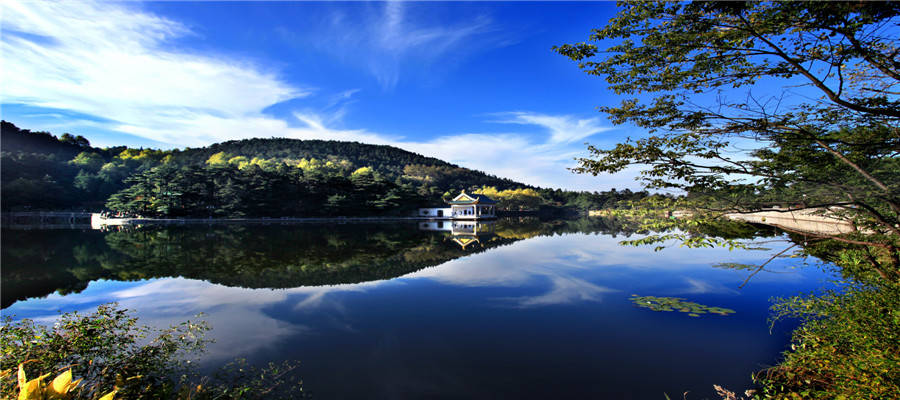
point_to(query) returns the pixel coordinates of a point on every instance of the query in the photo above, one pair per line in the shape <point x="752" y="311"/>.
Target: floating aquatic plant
<point x="677" y="304"/>
<point x="736" y="266"/>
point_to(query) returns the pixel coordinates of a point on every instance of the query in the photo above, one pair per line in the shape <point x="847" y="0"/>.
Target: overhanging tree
<point x="755" y="102"/>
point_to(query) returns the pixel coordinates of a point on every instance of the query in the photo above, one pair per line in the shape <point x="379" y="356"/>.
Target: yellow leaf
<point x="5" y="372"/>
<point x="32" y="389"/>
<point x="108" y="396"/>
<point x="22" y="378"/>
<point x="61" y="384"/>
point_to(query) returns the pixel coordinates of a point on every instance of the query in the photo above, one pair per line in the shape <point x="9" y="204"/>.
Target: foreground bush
<point x="110" y="351"/>
<point x="848" y="347"/>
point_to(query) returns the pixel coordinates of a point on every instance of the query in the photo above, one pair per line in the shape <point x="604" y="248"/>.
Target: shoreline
<point x="97" y="221"/>
<point x="89" y="220"/>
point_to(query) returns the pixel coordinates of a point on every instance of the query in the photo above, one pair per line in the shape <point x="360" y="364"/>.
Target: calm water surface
<point x="516" y="309"/>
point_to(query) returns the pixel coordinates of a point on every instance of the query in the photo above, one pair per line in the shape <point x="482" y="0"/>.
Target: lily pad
<point x="677" y="303"/>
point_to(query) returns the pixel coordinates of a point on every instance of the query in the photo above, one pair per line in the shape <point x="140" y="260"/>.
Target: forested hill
<point x="380" y="157"/>
<point x="252" y="177"/>
<point x="22" y="140"/>
<point x="390" y="161"/>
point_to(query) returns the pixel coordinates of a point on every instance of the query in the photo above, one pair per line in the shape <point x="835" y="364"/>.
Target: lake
<point x="520" y="308"/>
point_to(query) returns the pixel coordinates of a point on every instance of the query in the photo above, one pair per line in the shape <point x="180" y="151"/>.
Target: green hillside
<point x="390" y="161"/>
<point x="252" y="177"/>
<point x="383" y="158"/>
<point x="22" y="140"/>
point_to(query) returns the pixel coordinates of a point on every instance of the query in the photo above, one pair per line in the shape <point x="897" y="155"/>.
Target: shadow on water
<point x="40" y="262"/>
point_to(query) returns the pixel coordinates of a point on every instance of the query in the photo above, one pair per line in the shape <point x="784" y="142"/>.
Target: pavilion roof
<point x="465" y="241"/>
<point x="468" y="199"/>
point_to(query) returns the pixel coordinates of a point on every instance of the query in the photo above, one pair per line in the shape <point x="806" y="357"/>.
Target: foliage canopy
<point x="699" y="77"/>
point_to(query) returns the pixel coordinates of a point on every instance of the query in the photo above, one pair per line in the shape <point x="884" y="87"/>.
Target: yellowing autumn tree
<point x="513" y="199"/>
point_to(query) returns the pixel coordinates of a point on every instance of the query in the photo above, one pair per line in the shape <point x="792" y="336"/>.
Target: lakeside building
<point x="464" y="206"/>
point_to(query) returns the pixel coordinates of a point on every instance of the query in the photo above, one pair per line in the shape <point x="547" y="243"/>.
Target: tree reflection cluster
<point x="39" y="262"/>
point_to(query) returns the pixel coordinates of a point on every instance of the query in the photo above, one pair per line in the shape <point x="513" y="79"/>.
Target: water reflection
<point x="527" y="309"/>
<point x="37" y="263"/>
<point x="463" y="233"/>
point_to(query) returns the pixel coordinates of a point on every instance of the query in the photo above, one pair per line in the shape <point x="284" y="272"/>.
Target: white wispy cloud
<point x="384" y="39"/>
<point x="120" y="63"/>
<point x="541" y="159"/>
<point x="110" y="60"/>
<point x="563" y="128"/>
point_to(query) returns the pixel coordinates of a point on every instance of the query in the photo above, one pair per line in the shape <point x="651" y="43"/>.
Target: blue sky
<point x="476" y="84"/>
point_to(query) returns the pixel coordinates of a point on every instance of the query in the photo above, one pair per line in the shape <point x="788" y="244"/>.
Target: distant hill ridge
<point x="252" y="177"/>
<point x="78" y="175"/>
<point x="355" y="152"/>
<point x="13" y="139"/>
<point x="389" y="160"/>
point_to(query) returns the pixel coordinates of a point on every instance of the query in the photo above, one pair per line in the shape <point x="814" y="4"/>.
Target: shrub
<point x="848" y="347"/>
<point x="113" y="353"/>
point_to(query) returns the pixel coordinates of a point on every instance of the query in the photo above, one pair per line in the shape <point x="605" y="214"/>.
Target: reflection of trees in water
<point x="278" y="257"/>
<point x="529" y="227"/>
<point x="36" y="263"/>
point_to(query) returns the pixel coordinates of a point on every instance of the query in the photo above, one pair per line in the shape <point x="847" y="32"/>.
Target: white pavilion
<point x="463" y="206"/>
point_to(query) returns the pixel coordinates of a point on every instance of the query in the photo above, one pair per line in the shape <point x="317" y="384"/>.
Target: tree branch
<point x="816" y="81"/>
<point x="853" y="165"/>
<point x="764" y="264"/>
<point x="866" y="54"/>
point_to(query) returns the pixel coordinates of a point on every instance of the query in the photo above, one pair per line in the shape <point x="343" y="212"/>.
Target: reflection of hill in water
<point x="39" y="262"/>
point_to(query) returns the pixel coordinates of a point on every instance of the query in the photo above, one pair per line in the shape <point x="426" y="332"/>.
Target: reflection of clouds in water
<point x="560" y="258"/>
<point x="563" y="290"/>
<point x="85" y="300"/>
<point x="240" y="326"/>
<point x="516" y="265"/>
<point x="317" y="296"/>
<point x="238" y="316"/>
<point x="243" y="320"/>
<point x="699" y="286"/>
<point x="191" y="296"/>
<point x="606" y="250"/>
<point x="576" y="252"/>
